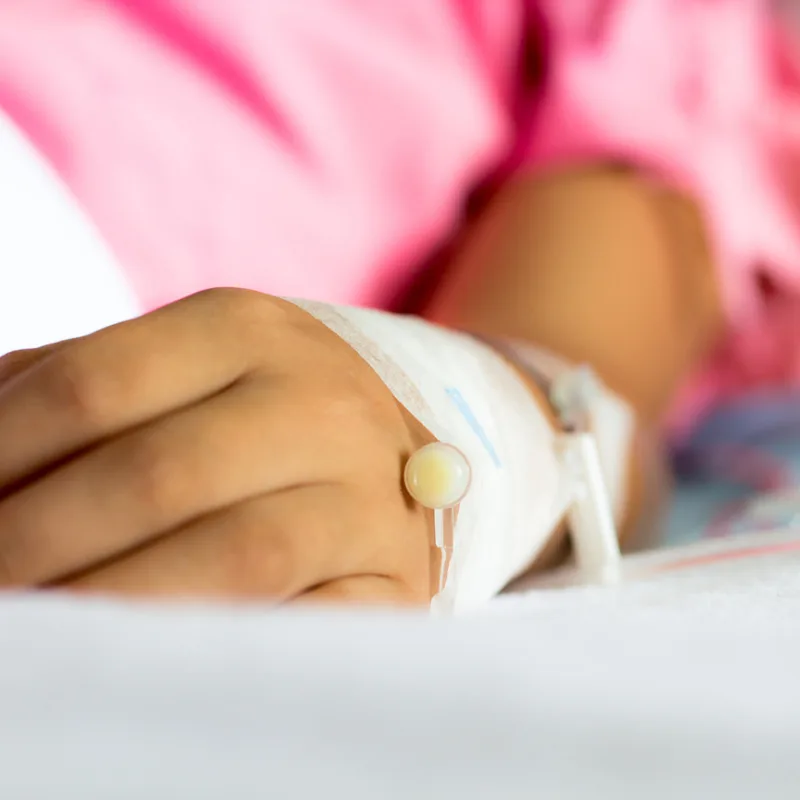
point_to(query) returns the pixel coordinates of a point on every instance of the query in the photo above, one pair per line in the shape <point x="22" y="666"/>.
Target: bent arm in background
<point x="601" y="266"/>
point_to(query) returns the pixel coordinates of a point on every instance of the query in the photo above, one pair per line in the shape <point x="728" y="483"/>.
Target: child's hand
<point x="228" y="445"/>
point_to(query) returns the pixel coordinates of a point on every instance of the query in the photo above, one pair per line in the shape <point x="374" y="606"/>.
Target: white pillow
<point x="57" y="279"/>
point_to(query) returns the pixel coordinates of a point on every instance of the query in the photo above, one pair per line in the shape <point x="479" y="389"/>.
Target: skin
<point x="230" y="446"/>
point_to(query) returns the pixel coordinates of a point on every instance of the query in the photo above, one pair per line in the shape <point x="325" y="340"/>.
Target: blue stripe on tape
<point x="466" y="412"/>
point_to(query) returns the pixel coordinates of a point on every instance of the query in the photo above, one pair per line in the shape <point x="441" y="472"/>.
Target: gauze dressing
<point x="469" y="396"/>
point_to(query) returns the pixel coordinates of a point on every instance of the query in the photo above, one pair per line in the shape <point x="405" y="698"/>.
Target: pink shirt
<point x="323" y="148"/>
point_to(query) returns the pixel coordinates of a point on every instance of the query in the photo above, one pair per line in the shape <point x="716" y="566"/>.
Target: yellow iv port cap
<point x="438" y="475"/>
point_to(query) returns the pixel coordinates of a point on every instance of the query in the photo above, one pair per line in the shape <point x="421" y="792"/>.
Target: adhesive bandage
<point x="500" y="478"/>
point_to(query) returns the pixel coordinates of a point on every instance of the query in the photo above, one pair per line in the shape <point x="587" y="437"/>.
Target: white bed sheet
<point x="685" y="686"/>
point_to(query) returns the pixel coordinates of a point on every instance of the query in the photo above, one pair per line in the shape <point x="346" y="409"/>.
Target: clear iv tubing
<point x="438" y="477"/>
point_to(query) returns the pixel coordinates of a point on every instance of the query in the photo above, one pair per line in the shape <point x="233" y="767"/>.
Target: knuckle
<point x="243" y="313"/>
<point x="225" y="295"/>
<point x="234" y="303"/>
<point x="79" y="390"/>
<point x="162" y="484"/>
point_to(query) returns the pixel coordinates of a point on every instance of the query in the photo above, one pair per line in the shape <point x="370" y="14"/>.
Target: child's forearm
<point x="599" y="265"/>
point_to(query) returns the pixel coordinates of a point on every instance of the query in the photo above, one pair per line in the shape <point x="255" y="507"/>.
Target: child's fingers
<point x="241" y="443"/>
<point x="93" y="387"/>
<point x="271" y="547"/>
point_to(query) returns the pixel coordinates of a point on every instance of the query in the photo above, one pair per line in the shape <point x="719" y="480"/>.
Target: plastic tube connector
<point x="591" y="520"/>
<point x="438" y="475"/>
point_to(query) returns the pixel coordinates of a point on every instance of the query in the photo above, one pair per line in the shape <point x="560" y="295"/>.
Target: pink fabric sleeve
<point x="322" y="148"/>
<point x="316" y="148"/>
<point x="702" y="94"/>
